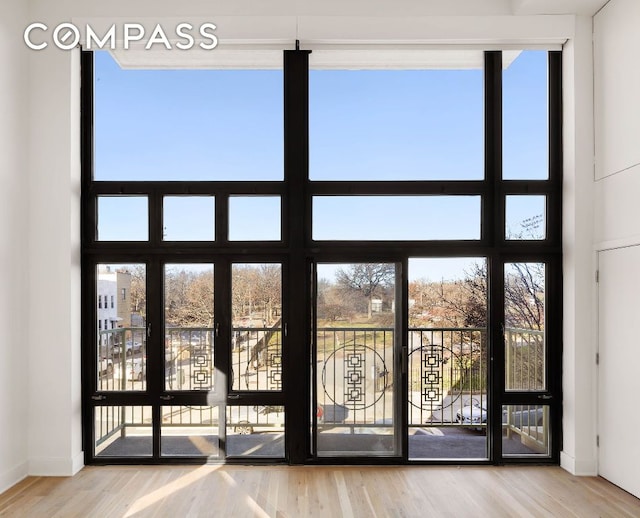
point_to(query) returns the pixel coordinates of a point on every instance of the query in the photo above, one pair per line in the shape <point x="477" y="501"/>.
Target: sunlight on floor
<point x="168" y="489"/>
<point x="183" y="482"/>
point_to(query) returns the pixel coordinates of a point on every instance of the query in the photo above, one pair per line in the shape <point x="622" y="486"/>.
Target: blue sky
<point x="364" y="125"/>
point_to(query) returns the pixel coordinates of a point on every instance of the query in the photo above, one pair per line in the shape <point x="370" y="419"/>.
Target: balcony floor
<point x="441" y="443"/>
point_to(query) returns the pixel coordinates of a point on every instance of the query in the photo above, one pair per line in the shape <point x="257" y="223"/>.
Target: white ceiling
<point x="588" y="7"/>
<point x="319" y="22"/>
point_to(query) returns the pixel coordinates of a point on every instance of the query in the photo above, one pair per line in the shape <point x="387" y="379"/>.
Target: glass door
<point x="188" y="361"/>
<point x="356" y="360"/>
<point x="448" y="351"/>
<point x="188" y="427"/>
<point x="255" y="413"/>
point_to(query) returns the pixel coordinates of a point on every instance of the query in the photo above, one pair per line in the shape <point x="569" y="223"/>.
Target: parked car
<point x="245" y="420"/>
<point x="105" y="366"/>
<point x="332" y="413"/>
<point x="136" y="369"/>
<point x="474" y="414"/>
<point x="130" y="348"/>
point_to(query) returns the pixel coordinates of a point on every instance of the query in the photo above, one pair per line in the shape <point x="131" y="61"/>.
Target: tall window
<point x="372" y="248"/>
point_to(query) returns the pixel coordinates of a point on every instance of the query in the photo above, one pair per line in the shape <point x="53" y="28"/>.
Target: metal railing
<point x="446" y="367"/>
<point x="524" y="359"/>
<point x="355" y="368"/>
<point x="447" y="371"/>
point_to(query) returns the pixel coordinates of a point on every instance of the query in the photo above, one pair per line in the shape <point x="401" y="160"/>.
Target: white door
<point x="619" y="375"/>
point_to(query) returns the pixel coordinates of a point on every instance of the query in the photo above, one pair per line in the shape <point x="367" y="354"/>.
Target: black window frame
<point x="298" y="252"/>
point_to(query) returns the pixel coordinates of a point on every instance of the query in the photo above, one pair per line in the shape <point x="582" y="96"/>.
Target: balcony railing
<point x="447" y="373"/>
<point x="524" y="351"/>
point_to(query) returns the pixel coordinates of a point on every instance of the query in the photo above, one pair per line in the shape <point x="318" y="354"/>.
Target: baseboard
<point x="11" y="477"/>
<point x="56" y="466"/>
<point x="78" y="462"/>
<point x="580" y="468"/>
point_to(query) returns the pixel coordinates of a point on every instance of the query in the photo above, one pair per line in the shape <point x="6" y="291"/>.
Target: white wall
<point x="579" y="455"/>
<point x="54" y="246"/>
<point x="51" y="208"/>
<point x="617" y="115"/>
<point x="14" y="219"/>
<point x="617" y="196"/>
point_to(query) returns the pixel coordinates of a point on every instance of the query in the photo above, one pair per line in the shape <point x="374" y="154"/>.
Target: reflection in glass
<point x="123" y="431"/>
<point x="255" y="431"/>
<point x="525" y="430"/>
<point x="397" y="124"/>
<point x="256" y="342"/>
<point x="524" y="337"/>
<point x="121" y="327"/>
<point x="525" y="217"/>
<point x="525" y="119"/>
<point x="123" y="218"/>
<point x="189" y="318"/>
<point x="447" y="358"/>
<point x="396" y="218"/>
<point x="189" y="431"/>
<point x="355" y="322"/>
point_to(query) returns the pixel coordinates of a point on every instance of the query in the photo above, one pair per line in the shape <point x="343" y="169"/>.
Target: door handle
<point x="99" y="398"/>
<point x="545" y="396"/>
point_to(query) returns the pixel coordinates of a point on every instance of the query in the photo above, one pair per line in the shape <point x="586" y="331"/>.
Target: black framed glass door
<point x="178" y="379"/>
<point x="357" y="360"/>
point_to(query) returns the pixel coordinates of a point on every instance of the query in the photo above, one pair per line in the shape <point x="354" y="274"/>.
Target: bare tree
<point x="524" y="295"/>
<point x="244" y="283"/>
<point x="189" y="298"/>
<point x="269" y="289"/>
<point x="333" y="302"/>
<point x="367" y="279"/>
<point x="138" y="290"/>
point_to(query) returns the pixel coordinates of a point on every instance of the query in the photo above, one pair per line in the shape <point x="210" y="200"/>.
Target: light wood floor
<point x="243" y="491"/>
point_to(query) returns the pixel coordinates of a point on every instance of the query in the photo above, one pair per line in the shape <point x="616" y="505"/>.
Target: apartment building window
<point x="356" y="264"/>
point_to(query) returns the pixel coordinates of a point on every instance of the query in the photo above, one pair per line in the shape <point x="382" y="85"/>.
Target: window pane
<point x="189" y="318"/>
<point x="396" y="218"/>
<point x="122" y="337"/>
<point x="525" y="127"/>
<point x="256" y="354"/>
<point x="354" y="385"/>
<point x="524" y="293"/>
<point x="397" y="124"/>
<point x="123" y="431"/>
<point x="447" y="358"/>
<point x="123" y="218"/>
<point x="189" y="431"/>
<point x="525" y="431"/>
<point x="187" y="124"/>
<point x="525" y="217"/>
<point x="255" y="431"/>
<point x="254" y="218"/>
<point x="189" y="218"/>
